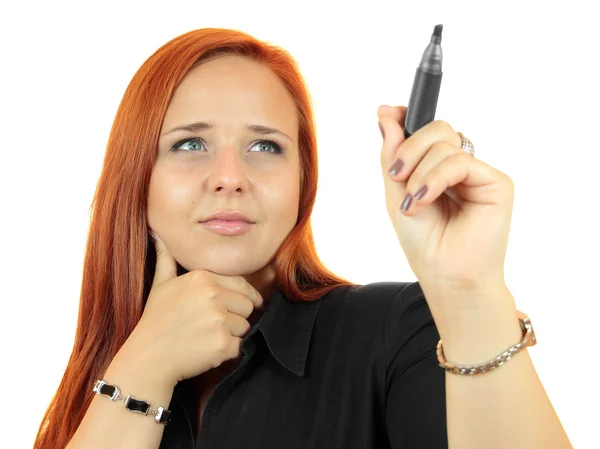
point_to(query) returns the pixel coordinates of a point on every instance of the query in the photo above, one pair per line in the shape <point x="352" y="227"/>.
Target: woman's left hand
<point x="454" y="237"/>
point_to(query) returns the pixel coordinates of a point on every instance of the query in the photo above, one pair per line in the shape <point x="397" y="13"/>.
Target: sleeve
<point x="415" y="412"/>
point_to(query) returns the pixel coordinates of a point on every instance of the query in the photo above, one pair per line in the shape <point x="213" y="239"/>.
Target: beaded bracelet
<point x="161" y="416"/>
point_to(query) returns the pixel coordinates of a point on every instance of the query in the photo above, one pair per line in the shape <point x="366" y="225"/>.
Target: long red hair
<point x="120" y="257"/>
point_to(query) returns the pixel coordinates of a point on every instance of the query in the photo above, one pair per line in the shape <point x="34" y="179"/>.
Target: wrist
<point x="139" y="393"/>
<point x="466" y="314"/>
<point x="141" y="369"/>
<point x="479" y="340"/>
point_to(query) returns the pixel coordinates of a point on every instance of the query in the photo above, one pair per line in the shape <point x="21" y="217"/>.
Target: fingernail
<point x="421" y="193"/>
<point x="396" y="167"/>
<point x="406" y="203"/>
<point x="381" y="129"/>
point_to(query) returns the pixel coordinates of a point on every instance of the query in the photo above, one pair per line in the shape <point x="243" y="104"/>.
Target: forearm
<point x="503" y="408"/>
<point x="109" y="424"/>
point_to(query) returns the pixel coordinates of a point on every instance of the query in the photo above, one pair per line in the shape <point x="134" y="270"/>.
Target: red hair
<point x="120" y="257"/>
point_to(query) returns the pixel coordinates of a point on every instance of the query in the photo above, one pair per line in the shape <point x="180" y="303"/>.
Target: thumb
<point x="166" y="266"/>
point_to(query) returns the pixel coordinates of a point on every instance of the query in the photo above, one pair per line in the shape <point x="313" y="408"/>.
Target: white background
<point x="520" y="80"/>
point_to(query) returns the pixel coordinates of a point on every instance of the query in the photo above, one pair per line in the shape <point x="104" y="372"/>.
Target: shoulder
<point x="391" y="298"/>
<point x="391" y="312"/>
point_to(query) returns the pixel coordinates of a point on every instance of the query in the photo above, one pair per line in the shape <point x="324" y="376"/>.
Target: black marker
<point x="426" y="87"/>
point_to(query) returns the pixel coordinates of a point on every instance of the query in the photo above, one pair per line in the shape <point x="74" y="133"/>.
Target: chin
<point x="228" y="270"/>
<point x="228" y="266"/>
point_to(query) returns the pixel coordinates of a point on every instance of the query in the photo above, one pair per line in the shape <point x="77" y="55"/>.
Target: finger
<point x="241" y="285"/>
<point x="398" y="113"/>
<point x="454" y="171"/>
<point x="238" y="325"/>
<point x="393" y="138"/>
<point x="417" y="176"/>
<point x="413" y="149"/>
<point x="238" y="303"/>
<point x="166" y="266"/>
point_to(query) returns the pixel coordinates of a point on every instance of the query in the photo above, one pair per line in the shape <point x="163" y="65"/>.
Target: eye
<point x="278" y="149"/>
<point x="196" y="143"/>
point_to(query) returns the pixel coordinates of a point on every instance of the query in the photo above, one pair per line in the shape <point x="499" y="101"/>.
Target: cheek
<point x="166" y="195"/>
<point x="284" y="198"/>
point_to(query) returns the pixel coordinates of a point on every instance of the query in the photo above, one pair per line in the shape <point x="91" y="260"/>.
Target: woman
<point x="234" y="333"/>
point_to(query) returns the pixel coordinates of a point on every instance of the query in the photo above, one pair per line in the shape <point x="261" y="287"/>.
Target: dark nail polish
<point x="406" y="203"/>
<point x="396" y="167"/>
<point x="381" y="129"/>
<point x="421" y="193"/>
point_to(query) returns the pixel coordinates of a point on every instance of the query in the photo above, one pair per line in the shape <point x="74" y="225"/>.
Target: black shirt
<point x="356" y="368"/>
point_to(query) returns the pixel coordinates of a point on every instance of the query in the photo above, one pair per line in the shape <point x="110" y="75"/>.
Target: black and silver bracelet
<point x="161" y="416"/>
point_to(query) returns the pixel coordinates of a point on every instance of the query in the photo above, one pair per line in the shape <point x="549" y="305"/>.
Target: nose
<point x="228" y="171"/>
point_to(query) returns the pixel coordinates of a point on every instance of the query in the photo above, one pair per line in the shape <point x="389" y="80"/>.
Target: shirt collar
<point x="287" y="328"/>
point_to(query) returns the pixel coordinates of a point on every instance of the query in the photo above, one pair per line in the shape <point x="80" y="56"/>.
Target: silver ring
<point x="467" y="146"/>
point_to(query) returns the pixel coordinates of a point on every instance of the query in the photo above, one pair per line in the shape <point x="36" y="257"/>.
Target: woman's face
<point x="226" y="166"/>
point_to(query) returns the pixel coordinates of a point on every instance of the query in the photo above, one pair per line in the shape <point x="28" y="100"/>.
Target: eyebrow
<point x="199" y="126"/>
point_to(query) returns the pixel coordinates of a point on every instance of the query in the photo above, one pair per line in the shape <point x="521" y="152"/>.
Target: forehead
<point x="229" y="90"/>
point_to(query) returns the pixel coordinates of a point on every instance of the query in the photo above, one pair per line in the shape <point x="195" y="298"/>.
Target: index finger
<point x="241" y="285"/>
<point x="391" y="121"/>
<point x="398" y="113"/>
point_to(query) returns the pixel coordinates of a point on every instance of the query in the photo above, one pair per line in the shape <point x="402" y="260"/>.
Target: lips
<point x="233" y="216"/>
<point x="227" y="227"/>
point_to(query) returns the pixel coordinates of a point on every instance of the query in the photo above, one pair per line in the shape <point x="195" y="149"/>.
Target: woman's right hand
<point x="193" y="322"/>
